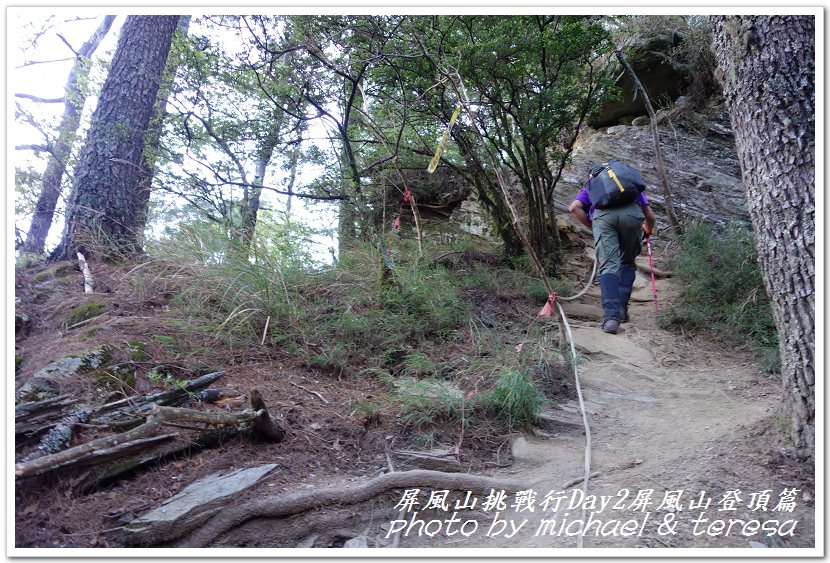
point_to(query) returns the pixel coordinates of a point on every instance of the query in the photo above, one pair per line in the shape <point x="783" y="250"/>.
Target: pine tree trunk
<point x="75" y="98"/>
<point x="768" y="66"/>
<point x="148" y="161"/>
<point x="104" y="210"/>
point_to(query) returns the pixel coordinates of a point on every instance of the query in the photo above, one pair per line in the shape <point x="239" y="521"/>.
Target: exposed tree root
<point x="296" y="503"/>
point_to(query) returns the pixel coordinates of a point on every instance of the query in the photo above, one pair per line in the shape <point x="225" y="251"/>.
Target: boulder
<point x="663" y="77"/>
<point x="193" y="506"/>
<point x="700" y="160"/>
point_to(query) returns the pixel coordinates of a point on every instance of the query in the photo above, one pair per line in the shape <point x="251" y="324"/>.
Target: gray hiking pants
<point x="618" y="237"/>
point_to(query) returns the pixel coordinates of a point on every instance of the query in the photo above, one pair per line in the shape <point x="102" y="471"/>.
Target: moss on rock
<point x="86" y="311"/>
<point x="136" y="350"/>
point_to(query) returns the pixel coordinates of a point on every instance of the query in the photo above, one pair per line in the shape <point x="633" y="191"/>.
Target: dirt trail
<point x="665" y="415"/>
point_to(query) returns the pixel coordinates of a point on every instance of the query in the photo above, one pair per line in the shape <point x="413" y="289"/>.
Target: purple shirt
<point x="586" y="199"/>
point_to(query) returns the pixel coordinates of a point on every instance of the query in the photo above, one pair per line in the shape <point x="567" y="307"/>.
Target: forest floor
<point x="667" y="413"/>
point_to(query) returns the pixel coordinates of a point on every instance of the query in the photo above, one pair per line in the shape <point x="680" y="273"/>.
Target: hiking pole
<point x="651" y="267"/>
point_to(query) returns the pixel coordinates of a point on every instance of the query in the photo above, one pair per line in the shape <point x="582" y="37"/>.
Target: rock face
<point x="698" y="154"/>
<point x="699" y="157"/>
<point x="47" y="382"/>
<point x="664" y="77"/>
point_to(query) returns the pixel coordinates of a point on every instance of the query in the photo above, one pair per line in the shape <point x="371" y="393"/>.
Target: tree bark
<point x="103" y="210"/>
<point x="249" y="208"/>
<point x="74" y="100"/>
<point x="148" y="159"/>
<point x="768" y="75"/>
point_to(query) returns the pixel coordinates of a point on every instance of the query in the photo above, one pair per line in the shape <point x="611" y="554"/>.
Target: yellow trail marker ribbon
<point x="443" y="144"/>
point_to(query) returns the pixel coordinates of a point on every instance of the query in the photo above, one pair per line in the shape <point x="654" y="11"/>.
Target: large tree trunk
<point x="151" y="148"/>
<point x="104" y="206"/>
<point x="768" y="66"/>
<point x="74" y="100"/>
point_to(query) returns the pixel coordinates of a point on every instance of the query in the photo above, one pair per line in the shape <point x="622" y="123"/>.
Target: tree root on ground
<point x="292" y="504"/>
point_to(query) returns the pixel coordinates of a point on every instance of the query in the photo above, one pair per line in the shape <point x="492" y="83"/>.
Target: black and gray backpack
<point x="614" y="184"/>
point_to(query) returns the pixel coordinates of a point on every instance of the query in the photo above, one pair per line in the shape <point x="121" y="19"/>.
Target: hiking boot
<point x="610" y="325"/>
<point x="626" y="276"/>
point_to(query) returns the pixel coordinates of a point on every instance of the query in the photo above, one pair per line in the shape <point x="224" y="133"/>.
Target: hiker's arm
<point x="578" y="210"/>
<point x="651" y="219"/>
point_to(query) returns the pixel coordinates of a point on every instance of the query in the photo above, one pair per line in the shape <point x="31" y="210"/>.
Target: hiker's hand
<point x="646" y="232"/>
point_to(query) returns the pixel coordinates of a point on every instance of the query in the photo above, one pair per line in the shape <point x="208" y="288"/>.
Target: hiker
<point x="618" y="234"/>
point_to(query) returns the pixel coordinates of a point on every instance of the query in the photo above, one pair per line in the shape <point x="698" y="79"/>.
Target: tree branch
<point x="40" y="100"/>
<point x="37" y="148"/>
<point x="68" y="44"/>
<point x="32" y="63"/>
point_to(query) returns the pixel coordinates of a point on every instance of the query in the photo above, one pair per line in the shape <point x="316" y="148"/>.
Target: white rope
<point x="584" y="419"/>
<point x="584" y="289"/>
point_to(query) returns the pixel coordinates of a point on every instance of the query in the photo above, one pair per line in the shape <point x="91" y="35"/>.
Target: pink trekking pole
<point x="651" y="267"/>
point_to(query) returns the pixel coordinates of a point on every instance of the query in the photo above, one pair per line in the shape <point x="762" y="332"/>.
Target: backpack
<point x="614" y="184"/>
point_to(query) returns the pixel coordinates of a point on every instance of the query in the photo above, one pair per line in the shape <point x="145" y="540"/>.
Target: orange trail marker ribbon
<point x="548" y="308"/>
<point x="443" y="144"/>
<point x="546" y="311"/>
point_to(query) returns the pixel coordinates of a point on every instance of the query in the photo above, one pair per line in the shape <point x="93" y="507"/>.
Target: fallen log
<point x="59" y="436"/>
<point x="132" y="409"/>
<point x="263" y="424"/>
<point x="157" y="416"/>
<point x="35" y="418"/>
<point x="24" y="411"/>
<point x="118" y="451"/>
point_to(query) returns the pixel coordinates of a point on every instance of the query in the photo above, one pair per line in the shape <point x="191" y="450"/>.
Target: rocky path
<point x="666" y="415"/>
<point x="681" y="435"/>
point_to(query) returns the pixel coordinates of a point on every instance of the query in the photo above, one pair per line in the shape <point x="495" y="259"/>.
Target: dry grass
<point x="327" y="336"/>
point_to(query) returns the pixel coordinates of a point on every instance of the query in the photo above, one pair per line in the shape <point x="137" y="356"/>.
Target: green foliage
<point x="368" y="411"/>
<point x="721" y="288"/>
<point x="426" y="402"/>
<point x="516" y="398"/>
<point x="418" y="364"/>
<point x="166" y="378"/>
<point x="691" y="37"/>
<point x="27" y="183"/>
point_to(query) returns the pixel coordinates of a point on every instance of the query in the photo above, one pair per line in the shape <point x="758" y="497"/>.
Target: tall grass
<point x="721" y="288"/>
<point x="339" y="319"/>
